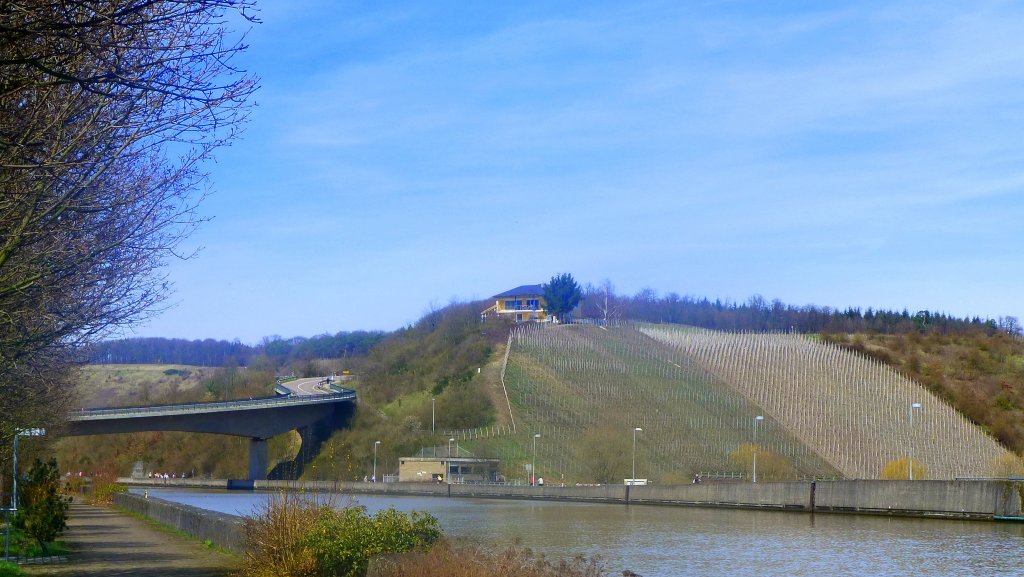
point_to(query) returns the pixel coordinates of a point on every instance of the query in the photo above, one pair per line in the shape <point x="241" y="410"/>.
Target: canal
<point x="678" y="541"/>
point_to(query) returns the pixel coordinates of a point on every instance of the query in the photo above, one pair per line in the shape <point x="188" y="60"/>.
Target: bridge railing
<point x="85" y="414"/>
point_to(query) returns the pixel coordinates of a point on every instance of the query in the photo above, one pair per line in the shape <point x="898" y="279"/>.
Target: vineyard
<point x="695" y="395"/>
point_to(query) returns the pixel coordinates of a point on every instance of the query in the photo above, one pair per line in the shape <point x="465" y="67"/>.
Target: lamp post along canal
<point x="632" y="479"/>
<point x="448" y="467"/>
<point x="756" y="419"/>
<point x="375" y="443"/>
<point x="14" y="483"/>
<point x="533" y="465"/>
<point x="910" y="453"/>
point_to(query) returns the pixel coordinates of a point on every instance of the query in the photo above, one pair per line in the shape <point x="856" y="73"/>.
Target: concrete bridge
<point x="313" y="414"/>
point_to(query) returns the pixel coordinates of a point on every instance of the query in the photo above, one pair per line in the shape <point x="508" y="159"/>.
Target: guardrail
<point x="263" y="402"/>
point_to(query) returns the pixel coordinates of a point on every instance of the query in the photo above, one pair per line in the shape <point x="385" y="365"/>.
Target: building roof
<point x="526" y="290"/>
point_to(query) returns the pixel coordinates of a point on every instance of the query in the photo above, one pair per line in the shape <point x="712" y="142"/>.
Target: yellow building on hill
<point x="523" y="303"/>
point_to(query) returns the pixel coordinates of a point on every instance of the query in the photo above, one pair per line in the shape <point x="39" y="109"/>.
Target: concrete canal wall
<point x="967" y="499"/>
<point x="945" y="499"/>
<point x="226" y="531"/>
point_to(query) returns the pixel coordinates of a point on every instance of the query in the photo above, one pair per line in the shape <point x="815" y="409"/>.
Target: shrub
<point x="43" y="512"/>
<point x="448" y="560"/>
<point x="8" y="569"/>
<point x="1007" y="465"/>
<point x="103" y="492"/>
<point x="897" y="470"/>
<point x="273" y="534"/>
<point x="771" y="466"/>
<point x="296" y="536"/>
<point x="344" y="542"/>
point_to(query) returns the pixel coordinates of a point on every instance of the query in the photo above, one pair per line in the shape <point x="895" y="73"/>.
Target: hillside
<point x="584" y="389"/>
<point x="981" y="374"/>
<point x="850" y="409"/>
<point x="128" y="385"/>
<point x="695" y="393"/>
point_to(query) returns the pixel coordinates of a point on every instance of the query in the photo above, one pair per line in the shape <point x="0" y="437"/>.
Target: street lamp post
<point x="633" y="478"/>
<point x="431" y="415"/>
<point x="448" y="471"/>
<point x="14" y="489"/>
<point x="756" y="419"/>
<point x="375" y="443"/>
<point x="533" y="466"/>
<point x="910" y="455"/>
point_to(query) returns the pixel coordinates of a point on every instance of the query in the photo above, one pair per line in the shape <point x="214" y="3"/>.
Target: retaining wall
<point x="972" y="499"/>
<point x="226" y="531"/>
<point x="949" y="499"/>
<point x="785" y="496"/>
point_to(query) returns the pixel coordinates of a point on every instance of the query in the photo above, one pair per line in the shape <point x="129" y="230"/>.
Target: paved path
<point x="106" y="542"/>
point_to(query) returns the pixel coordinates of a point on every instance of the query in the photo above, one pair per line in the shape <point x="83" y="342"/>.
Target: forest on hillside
<point x="598" y="304"/>
<point x="759" y="315"/>
<point x="217" y="353"/>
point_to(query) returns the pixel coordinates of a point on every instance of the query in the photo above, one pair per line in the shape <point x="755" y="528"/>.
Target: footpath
<point x="106" y="542"/>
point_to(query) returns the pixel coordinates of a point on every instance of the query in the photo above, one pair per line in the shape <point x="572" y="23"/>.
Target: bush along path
<point x="104" y="542"/>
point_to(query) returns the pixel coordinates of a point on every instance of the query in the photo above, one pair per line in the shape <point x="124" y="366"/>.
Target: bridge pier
<point x="258" y="459"/>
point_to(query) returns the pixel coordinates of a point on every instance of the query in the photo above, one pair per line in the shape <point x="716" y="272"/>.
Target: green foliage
<point x="104" y="485"/>
<point x="604" y="453"/>
<point x="562" y="294"/>
<point x="343" y="542"/>
<point x="464" y="406"/>
<point x="8" y="569"/>
<point x="443" y="348"/>
<point x="306" y="536"/>
<point x="42" y="511"/>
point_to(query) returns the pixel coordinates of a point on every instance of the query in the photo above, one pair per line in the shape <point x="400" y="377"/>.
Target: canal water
<point x="665" y="541"/>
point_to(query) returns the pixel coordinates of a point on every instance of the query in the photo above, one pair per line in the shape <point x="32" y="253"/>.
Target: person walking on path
<point x="103" y="541"/>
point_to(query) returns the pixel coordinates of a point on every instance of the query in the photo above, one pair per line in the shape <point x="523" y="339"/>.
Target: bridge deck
<point x="214" y="407"/>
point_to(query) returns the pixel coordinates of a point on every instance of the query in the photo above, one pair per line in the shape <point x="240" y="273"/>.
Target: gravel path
<point x="106" y="542"/>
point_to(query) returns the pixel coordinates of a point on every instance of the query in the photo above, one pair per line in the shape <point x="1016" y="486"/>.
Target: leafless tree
<point x="108" y="110"/>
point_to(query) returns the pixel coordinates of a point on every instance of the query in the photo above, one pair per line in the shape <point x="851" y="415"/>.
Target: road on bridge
<point x="309" y="386"/>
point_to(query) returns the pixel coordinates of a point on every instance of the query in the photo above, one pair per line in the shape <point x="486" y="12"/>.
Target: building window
<point x="513" y="305"/>
<point x="532" y="304"/>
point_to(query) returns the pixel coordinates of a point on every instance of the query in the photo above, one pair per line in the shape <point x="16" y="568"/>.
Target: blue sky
<point x="403" y="155"/>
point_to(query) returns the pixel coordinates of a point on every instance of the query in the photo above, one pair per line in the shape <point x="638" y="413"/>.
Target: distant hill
<point x="130" y="385"/>
<point x="218" y="353"/>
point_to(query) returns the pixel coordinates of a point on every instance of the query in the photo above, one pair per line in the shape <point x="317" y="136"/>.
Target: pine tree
<point x="562" y="294"/>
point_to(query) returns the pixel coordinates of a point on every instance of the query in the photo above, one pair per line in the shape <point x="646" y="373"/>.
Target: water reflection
<point x="669" y="541"/>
